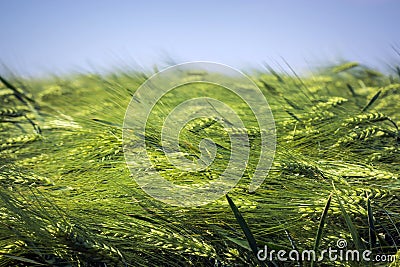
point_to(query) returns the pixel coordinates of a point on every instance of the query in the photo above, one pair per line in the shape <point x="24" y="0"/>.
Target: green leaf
<point x="374" y="98"/>
<point x="107" y="123"/>
<point x="245" y="228"/>
<point x="371" y="228"/>
<point x="321" y="226"/>
<point x="22" y="259"/>
<point x="354" y="233"/>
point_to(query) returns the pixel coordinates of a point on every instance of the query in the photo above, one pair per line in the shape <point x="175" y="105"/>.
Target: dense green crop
<point x="68" y="199"/>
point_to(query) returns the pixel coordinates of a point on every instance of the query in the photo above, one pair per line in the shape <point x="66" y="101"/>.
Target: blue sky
<point x="59" y="36"/>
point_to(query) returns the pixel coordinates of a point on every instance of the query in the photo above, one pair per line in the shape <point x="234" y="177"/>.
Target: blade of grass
<point x="273" y="72"/>
<point x="107" y="123"/>
<point x="294" y="247"/>
<point x="321" y="226"/>
<point x="372" y="101"/>
<point x="245" y="228"/>
<point x="371" y="228"/>
<point x="21" y="259"/>
<point x="20" y="96"/>
<point x="393" y="224"/>
<point x="354" y="234"/>
<point x="293" y="105"/>
<point x="351" y="89"/>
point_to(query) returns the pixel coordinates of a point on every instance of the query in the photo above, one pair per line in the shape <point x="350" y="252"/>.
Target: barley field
<point x="67" y="197"/>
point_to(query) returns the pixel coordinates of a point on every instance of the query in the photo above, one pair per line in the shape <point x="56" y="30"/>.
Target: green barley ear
<point x="345" y="67"/>
<point x="11" y="112"/>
